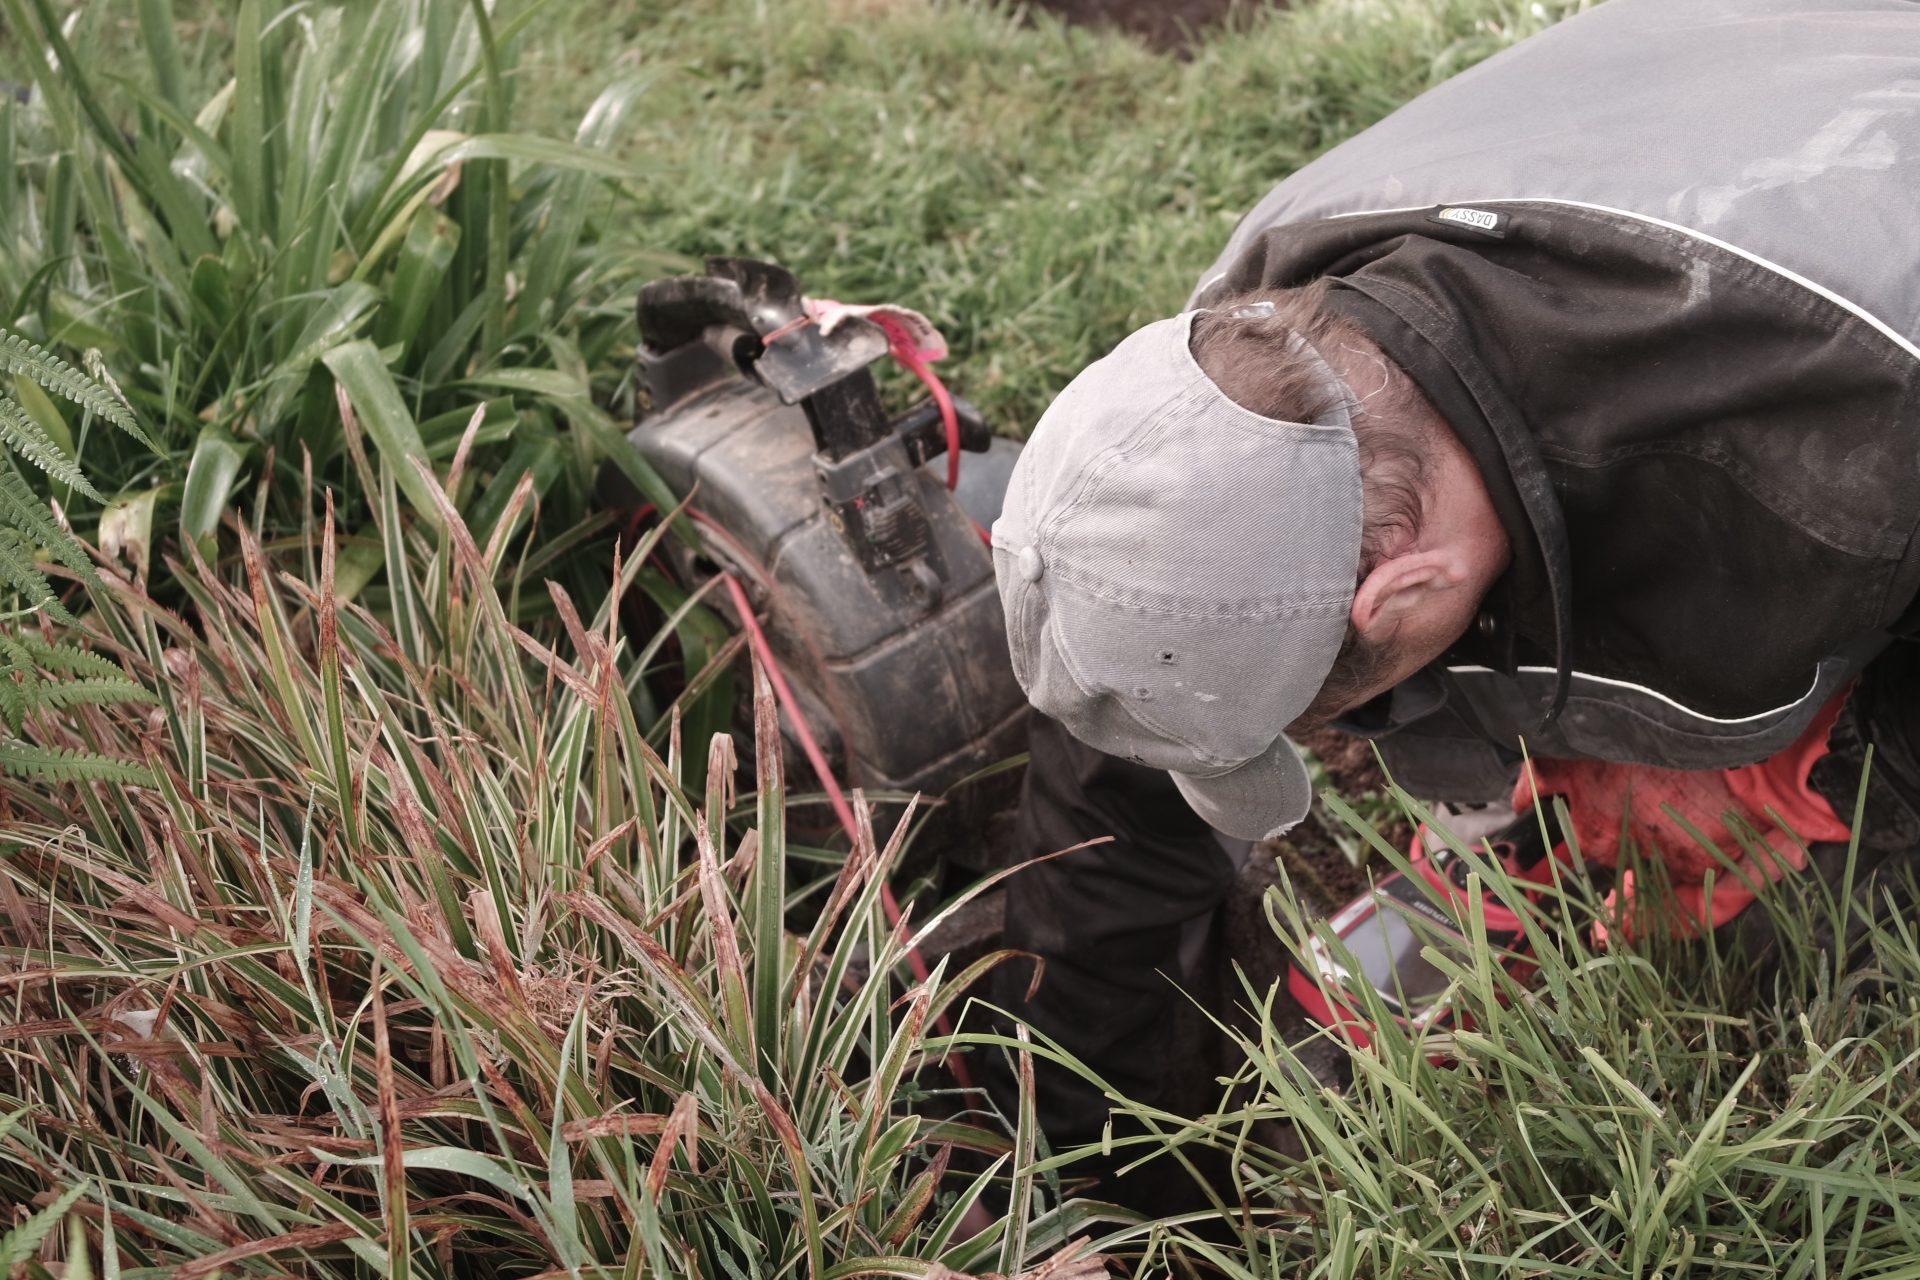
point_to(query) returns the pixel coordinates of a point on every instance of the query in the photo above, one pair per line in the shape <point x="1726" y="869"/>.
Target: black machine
<point x="870" y="576"/>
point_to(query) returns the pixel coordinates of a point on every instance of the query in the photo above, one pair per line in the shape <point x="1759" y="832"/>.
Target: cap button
<point x="1031" y="566"/>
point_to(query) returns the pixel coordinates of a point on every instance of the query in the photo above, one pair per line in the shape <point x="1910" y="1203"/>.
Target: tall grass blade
<point x="377" y="404"/>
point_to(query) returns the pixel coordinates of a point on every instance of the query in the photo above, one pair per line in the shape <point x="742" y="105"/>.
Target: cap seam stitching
<point x="1120" y="450"/>
<point x="1151" y="423"/>
<point x="1100" y="590"/>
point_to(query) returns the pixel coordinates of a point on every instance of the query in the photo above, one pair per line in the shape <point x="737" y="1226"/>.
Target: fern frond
<point x="63" y="764"/>
<point x="23" y="435"/>
<point x="13" y="700"/>
<point x="18" y="570"/>
<point x="17" y="355"/>
<point x="66" y="659"/>
<point x="18" y="656"/>
<point x="17" y="698"/>
<point x="24" y="685"/>
<point x="20" y="508"/>
<point x="92" y="693"/>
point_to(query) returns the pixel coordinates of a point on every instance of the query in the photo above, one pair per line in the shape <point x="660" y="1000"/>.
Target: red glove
<point x="1610" y="803"/>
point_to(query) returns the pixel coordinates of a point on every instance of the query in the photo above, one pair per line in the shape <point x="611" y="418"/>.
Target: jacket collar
<point x="1532" y="603"/>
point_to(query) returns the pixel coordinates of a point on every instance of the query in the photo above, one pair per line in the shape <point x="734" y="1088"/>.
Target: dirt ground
<point x="1167" y="25"/>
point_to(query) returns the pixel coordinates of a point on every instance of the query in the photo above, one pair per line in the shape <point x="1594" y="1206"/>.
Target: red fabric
<point x="1654" y="807"/>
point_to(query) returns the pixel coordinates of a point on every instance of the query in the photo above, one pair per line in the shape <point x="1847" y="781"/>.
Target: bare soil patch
<point x="1169" y="26"/>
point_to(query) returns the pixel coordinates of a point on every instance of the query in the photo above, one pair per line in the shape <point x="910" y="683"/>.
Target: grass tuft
<point x="1660" y="1106"/>
<point x="402" y="950"/>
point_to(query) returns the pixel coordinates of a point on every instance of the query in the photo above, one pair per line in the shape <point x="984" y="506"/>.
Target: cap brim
<point x="1266" y="796"/>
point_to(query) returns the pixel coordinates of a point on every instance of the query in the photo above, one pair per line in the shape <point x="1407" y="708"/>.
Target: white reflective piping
<point x="1750" y="256"/>
<point x="1652" y="693"/>
<point x="1415" y="208"/>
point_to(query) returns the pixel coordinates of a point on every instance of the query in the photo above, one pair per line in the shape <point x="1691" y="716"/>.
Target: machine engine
<point x="871" y="577"/>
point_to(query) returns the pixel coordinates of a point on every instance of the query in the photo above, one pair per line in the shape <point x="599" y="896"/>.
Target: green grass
<point x="1039" y="190"/>
<point x="1657" y="1107"/>
<point x="238" y="222"/>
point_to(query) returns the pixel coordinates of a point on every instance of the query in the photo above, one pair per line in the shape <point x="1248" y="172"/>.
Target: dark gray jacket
<point x="1659" y="267"/>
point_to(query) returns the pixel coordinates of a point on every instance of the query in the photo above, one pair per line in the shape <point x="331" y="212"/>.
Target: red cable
<point x="841" y="809"/>
<point x="901" y="346"/>
<point x="948" y="417"/>
<point x="815" y="756"/>
<point x="810" y="746"/>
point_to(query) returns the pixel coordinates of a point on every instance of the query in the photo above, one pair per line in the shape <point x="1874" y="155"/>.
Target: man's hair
<point x="1249" y="352"/>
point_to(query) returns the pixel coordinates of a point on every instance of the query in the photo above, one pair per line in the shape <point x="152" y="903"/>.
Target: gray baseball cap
<point x="1177" y="573"/>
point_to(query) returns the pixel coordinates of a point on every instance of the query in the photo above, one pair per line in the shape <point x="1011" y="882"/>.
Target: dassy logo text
<point x="1478" y="219"/>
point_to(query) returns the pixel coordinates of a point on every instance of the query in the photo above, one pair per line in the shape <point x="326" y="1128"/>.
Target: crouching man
<point x="1576" y="403"/>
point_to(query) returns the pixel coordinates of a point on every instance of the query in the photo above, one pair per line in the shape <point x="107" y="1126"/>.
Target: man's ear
<point x="1402" y="586"/>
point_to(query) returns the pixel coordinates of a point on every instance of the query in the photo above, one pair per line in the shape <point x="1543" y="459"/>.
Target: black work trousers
<point x="1121" y="929"/>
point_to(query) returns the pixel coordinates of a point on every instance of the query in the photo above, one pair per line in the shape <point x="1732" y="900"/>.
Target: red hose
<point x="903" y="350"/>
<point x="810" y="746"/>
<point x="949" y="417"/>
